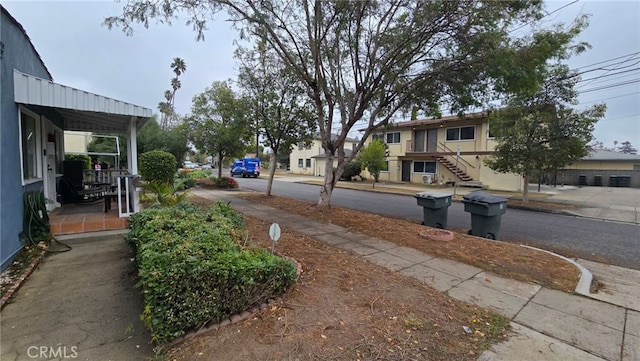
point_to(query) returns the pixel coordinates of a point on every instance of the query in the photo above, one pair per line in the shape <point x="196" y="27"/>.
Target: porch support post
<point x="132" y="157"/>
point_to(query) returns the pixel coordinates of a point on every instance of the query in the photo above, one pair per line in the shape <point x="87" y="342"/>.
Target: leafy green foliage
<point x="353" y="169"/>
<point x="158" y="165"/>
<point x="163" y="194"/>
<point x="282" y="113"/>
<point x="81" y="157"/>
<point x="372" y="158"/>
<point x="219" y="122"/>
<point x="541" y="131"/>
<point x="193" y="271"/>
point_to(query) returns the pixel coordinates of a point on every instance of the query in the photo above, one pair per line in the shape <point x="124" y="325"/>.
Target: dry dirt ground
<point x="345" y="308"/>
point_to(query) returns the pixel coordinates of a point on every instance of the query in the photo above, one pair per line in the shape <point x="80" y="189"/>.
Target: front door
<point x="406" y="171"/>
<point x="51" y="135"/>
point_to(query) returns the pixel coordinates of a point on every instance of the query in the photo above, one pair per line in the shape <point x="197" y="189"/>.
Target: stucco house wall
<point x="312" y="156"/>
<point x="410" y="149"/>
<point x="18" y="53"/>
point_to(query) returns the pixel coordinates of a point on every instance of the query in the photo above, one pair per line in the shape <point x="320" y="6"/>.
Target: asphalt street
<point x="615" y="243"/>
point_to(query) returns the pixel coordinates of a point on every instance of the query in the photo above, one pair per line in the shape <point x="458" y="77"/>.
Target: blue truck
<point x="247" y="167"/>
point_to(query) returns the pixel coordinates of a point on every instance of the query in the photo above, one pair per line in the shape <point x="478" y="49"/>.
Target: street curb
<point x="586" y="277"/>
<point x="533" y="209"/>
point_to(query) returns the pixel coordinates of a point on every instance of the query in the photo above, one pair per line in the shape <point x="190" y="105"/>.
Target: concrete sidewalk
<point x="550" y="325"/>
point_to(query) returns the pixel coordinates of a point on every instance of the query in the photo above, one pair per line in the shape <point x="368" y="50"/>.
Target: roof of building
<point x="429" y="121"/>
<point x="316" y="136"/>
<point x="21" y="28"/>
<point x="604" y="155"/>
<point x="83" y="111"/>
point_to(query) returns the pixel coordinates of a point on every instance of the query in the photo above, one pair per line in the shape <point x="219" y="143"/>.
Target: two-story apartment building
<point x="425" y="151"/>
<point x="310" y="158"/>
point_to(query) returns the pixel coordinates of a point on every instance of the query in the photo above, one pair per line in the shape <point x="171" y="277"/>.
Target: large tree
<point x="362" y="61"/>
<point x="627" y="148"/>
<point x="219" y="123"/>
<point x="542" y="132"/>
<point x="279" y="107"/>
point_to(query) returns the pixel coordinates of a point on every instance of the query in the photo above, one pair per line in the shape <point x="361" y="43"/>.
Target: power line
<point x="608" y="60"/>
<point x="601" y="100"/>
<point x="595" y="81"/>
<point x="604" y="87"/>
<point x="623" y="117"/>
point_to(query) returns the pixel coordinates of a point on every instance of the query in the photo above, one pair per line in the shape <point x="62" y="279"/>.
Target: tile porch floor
<point x="86" y="222"/>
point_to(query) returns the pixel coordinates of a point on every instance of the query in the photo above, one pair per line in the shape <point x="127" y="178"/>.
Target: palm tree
<point x="178" y="66"/>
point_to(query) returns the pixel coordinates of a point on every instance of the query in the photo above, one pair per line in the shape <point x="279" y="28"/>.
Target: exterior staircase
<point x="460" y="173"/>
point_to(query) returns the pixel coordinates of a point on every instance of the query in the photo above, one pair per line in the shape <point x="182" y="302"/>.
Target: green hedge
<point x="192" y="269"/>
<point x="158" y="165"/>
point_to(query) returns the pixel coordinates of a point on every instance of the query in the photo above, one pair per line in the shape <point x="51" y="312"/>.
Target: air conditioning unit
<point x="428" y="178"/>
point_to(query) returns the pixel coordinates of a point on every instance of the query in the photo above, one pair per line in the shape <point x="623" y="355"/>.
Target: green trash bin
<point x="486" y="211"/>
<point x="435" y="206"/>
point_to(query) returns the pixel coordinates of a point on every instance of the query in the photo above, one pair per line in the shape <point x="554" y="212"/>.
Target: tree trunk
<point x="327" y="186"/>
<point x="525" y="190"/>
<point x="272" y="171"/>
<point x="219" y="165"/>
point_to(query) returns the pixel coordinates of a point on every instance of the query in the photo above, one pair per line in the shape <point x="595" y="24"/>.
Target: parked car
<point x="247" y="167"/>
<point x="189" y="165"/>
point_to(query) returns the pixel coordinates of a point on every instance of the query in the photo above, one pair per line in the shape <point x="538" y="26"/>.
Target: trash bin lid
<point x="432" y="194"/>
<point x="483" y="197"/>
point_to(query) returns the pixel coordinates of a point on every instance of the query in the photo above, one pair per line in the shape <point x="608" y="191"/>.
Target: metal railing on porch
<point x="120" y="186"/>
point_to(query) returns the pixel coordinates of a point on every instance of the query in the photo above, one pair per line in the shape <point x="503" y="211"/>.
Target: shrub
<point x="225" y="182"/>
<point x="162" y="194"/>
<point x="192" y="269"/>
<point x="158" y="165"/>
<point x="351" y="170"/>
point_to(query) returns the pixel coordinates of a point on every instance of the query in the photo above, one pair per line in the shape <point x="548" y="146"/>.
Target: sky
<point x="82" y="53"/>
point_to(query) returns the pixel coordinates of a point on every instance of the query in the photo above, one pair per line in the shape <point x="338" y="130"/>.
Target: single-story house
<point x="603" y="168"/>
<point x="35" y="112"/>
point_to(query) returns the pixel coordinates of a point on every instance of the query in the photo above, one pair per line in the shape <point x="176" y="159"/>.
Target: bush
<point x="192" y="269"/>
<point x="225" y="182"/>
<point x="351" y="170"/>
<point x="158" y="165"/>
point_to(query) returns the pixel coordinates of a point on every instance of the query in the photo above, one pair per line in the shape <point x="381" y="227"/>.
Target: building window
<point x="300" y="162"/>
<point x="377" y="136"/>
<point x="386" y="166"/>
<point x="490" y="134"/>
<point x="424" y="167"/>
<point x="461" y="133"/>
<point x="393" y="138"/>
<point x="30" y="134"/>
<point x="308" y="163"/>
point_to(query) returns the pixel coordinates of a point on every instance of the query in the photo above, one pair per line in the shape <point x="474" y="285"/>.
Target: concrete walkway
<point x="79" y="305"/>
<point x="550" y="325"/>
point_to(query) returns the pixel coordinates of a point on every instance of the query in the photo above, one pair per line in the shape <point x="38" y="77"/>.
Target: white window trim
<point x="38" y="137"/>
<point x="423" y="161"/>
<point x="461" y="140"/>
<point x="399" y="137"/>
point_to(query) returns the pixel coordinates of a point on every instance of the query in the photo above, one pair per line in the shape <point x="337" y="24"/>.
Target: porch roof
<point x="81" y="110"/>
